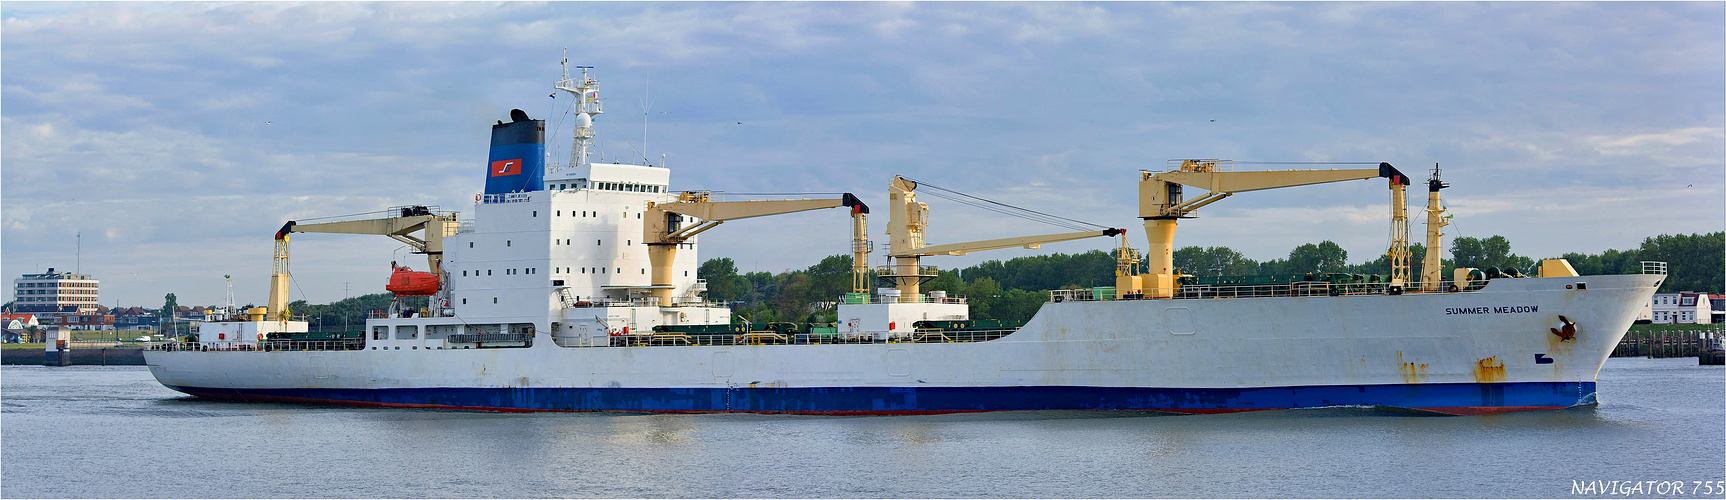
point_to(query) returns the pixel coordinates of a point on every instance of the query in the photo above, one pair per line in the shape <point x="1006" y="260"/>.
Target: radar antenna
<point x="587" y="106"/>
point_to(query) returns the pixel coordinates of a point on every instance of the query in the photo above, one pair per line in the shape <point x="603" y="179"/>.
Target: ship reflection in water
<point x="115" y="432"/>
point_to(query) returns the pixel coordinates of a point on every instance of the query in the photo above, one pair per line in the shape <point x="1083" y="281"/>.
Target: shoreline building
<point x="1681" y="308"/>
<point x="55" y="294"/>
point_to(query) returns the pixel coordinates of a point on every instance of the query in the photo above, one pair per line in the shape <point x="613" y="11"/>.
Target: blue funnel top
<point x="517" y="162"/>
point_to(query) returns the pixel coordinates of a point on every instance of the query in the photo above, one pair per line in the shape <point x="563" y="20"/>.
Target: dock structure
<point x="1703" y="344"/>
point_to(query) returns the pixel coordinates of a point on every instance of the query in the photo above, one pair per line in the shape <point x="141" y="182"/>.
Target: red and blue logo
<point x="505" y="167"/>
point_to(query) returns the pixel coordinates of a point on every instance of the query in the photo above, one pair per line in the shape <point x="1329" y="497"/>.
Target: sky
<point x="177" y="137"/>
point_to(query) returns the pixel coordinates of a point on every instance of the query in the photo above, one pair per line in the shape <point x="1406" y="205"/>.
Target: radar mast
<point x="587" y="106"/>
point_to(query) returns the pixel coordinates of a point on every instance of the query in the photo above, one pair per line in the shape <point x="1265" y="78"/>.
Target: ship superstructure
<point x="573" y="288"/>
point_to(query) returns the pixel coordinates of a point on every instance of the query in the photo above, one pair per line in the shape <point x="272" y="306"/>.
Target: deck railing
<point x="776" y="338"/>
<point x="1296" y="289"/>
<point x="273" y="345"/>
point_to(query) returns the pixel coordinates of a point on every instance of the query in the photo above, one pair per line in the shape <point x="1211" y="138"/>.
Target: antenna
<point x="646" y="105"/>
<point x="587" y="107"/>
<point x="78" y="264"/>
<point x="230" y="298"/>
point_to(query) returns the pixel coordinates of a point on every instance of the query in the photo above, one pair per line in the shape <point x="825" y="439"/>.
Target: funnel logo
<point x="505" y="167"/>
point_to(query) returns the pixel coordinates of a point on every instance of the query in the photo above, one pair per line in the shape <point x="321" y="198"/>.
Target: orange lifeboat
<point x="405" y="282"/>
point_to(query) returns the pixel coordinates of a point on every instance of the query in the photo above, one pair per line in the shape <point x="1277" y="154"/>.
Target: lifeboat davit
<point x="406" y="282"/>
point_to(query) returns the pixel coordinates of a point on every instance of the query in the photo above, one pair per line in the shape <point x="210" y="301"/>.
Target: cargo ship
<point x="573" y="288"/>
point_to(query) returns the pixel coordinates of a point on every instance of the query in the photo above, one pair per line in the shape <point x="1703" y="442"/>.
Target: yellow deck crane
<point x="1161" y="204"/>
<point x="665" y="229"/>
<point x="1431" y="270"/>
<point x="434" y="226"/>
<point x="906" y="224"/>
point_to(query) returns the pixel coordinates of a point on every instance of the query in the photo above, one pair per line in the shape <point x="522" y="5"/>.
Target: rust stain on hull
<point x="1411" y="372"/>
<point x="1489" y="370"/>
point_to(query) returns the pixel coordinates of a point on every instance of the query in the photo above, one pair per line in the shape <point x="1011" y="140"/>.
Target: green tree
<point x="947" y="281"/>
<point x="1213" y="261"/>
<point x="1693" y="260"/>
<point x="723" y="283"/>
<point x="830" y="278"/>
<point x="983" y="295"/>
<point x="1018" y="306"/>
<point x="1493" y="251"/>
<point x="1324" y="257"/>
<point x="170" y="303"/>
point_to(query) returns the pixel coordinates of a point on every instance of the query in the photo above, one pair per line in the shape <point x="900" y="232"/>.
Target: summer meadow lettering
<point x="1492" y="310"/>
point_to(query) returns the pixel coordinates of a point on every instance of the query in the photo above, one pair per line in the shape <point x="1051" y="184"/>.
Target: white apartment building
<point x="52" y="294"/>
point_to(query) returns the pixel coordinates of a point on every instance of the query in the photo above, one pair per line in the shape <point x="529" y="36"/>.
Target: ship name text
<point x="1491" y="310"/>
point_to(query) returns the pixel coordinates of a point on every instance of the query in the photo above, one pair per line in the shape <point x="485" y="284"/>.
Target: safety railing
<point x="490" y="199"/>
<point x="1653" y="267"/>
<point x="273" y="345"/>
<point x="897" y="299"/>
<point x="639" y="302"/>
<point x="1212" y="165"/>
<point x="779" y="338"/>
<point x="1297" y="289"/>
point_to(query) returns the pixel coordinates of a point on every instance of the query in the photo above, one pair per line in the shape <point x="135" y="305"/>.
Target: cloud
<point x="186" y="130"/>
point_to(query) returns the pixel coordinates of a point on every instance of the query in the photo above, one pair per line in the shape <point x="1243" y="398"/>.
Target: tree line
<point x="1013" y="290"/>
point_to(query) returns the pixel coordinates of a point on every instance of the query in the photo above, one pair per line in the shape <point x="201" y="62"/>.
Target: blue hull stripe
<point x="1446" y="398"/>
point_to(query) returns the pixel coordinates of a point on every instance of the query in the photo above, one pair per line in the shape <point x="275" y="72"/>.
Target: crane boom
<point x="1161" y="204"/>
<point x="433" y="228"/>
<point x="664" y="229"/>
<point x="995" y="244"/>
<point x="907" y="223"/>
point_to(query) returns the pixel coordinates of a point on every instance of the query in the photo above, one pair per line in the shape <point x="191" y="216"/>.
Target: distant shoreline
<point x="111" y="356"/>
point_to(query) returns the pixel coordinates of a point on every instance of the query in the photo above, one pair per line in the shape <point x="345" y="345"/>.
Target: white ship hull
<point x="1484" y="351"/>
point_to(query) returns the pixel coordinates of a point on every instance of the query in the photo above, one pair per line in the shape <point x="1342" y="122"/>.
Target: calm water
<point x="115" y="432"/>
